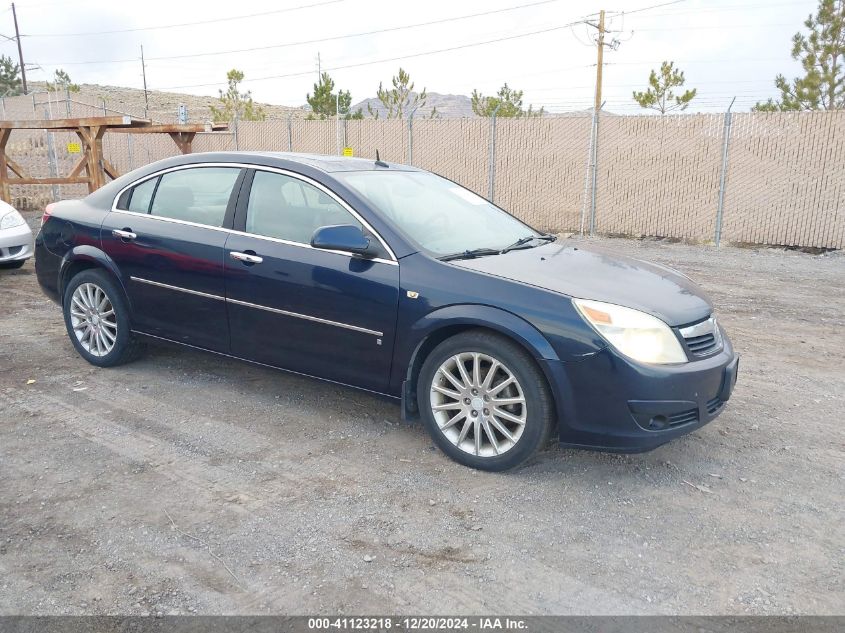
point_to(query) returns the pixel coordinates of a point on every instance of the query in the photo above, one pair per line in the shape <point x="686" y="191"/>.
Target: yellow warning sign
<point x="74" y="148"/>
<point x="347" y="151"/>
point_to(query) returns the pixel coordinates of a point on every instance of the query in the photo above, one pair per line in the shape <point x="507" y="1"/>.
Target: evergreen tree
<point x="507" y="100"/>
<point x="822" y="56"/>
<point x="401" y="99"/>
<point x="61" y="82"/>
<point x="659" y="95"/>
<point x="324" y="103"/>
<point x="10" y="77"/>
<point x="235" y="104"/>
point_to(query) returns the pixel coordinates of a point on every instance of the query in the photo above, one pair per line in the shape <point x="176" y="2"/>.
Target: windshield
<point x="438" y="215"/>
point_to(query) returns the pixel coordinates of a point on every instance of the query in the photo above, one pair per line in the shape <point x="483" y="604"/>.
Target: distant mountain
<point x="448" y="106"/>
<point x="164" y="106"/>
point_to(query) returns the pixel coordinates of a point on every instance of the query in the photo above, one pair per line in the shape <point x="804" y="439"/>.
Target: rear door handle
<point x="124" y="234"/>
<point x="246" y="257"/>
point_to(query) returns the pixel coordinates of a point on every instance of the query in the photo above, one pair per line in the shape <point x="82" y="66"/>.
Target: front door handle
<point x="246" y="258"/>
<point x="124" y="234"/>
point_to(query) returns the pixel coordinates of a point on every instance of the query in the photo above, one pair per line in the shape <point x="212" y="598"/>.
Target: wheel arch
<point x="445" y="323"/>
<point x="87" y="257"/>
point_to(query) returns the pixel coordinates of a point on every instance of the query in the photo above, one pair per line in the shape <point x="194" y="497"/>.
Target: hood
<point x="589" y="272"/>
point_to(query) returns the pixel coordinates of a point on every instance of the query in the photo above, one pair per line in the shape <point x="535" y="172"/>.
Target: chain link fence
<point x="762" y="178"/>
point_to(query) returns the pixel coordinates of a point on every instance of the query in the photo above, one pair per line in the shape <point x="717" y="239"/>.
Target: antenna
<point x="380" y="162"/>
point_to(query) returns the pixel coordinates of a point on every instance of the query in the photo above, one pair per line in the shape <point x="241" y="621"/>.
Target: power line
<point x="184" y="24"/>
<point x="363" y="33"/>
<point x="42" y="4"/>
<point x="722" y="27"/>
<point x="723" y="8"/>
<point x="654" y="6"/>
<point x="317" y="41"/>
<point x="639" y="85"/>
<point x="700" y="61"/>
<point x="397" y="58"/>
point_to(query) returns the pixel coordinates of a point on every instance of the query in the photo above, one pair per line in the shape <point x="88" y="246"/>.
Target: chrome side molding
<point x="257" y="306"/>
<point x="177" y="288"/>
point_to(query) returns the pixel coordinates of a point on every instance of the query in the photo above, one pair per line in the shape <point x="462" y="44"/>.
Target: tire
<point x="511" y="433"/>
<point x="12" y="265"/>
<point x="115" y="344"/>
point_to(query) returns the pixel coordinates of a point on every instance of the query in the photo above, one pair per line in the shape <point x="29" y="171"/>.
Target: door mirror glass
<point x="343" y="237"/>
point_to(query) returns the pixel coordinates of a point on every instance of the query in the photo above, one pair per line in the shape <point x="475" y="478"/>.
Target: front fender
<point x="476" y="315"/>
<point x="93" y="255"/>
<point x="439" y="324"/>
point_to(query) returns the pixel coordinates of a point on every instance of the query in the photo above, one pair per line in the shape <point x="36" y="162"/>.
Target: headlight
<point x="636" y="334"/>
<point x="11" y="219"/>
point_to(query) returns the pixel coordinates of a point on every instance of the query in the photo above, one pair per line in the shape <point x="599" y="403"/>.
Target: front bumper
<point x="607" y="402"/>
<point x="16" y="244"/>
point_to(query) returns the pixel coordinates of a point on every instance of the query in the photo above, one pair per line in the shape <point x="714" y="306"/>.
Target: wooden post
<point x="183" y="140"/>
<point x="4" y="170"/>
<point x="83" y="133"/>
<point x="99" y="161"/>
<point x="92" y="139"/>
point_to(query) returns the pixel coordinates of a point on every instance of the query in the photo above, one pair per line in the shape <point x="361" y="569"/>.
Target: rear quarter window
<point x="138" y="198"/>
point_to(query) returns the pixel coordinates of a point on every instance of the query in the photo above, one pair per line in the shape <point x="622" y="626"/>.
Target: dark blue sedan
<point x="396" y="281"/>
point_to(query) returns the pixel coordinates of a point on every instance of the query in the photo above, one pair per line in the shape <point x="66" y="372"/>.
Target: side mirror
<point x="343" y="237"/>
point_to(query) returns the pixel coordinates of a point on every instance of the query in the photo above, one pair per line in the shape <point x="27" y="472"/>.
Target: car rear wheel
<point x="97" y="319"/>
<point x="484" y="400"/>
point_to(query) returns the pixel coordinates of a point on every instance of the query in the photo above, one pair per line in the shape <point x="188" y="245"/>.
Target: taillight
<point x="47" y="211"/>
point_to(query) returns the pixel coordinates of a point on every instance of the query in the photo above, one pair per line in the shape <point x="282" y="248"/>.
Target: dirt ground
<point x="184" y="483"/>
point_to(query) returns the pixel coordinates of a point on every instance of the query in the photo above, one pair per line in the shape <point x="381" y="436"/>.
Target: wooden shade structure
<point x="92" y="167"/>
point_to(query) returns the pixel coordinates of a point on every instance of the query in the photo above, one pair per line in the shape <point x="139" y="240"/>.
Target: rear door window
<point x="199" y="194"/>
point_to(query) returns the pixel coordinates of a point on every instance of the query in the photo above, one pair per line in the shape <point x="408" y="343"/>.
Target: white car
<point x="16" y="244"/>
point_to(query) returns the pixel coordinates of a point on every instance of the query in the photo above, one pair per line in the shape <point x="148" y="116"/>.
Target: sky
<point x="726" y="48"/>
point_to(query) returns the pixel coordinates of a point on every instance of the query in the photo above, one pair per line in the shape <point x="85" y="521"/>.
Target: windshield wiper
<point x="524" y="240"/>
<point x="476" y="252"/>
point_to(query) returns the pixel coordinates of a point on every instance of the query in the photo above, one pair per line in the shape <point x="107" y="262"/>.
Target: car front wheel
<point x="97" y="319"/>
<point x="484" y="400"/>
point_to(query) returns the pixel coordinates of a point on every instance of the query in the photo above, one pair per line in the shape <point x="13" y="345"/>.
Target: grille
<point x="701" y="344"/>
<point x="702" y="338"/>
<point x="684" y="417"/>
<point x="714" y="405"/>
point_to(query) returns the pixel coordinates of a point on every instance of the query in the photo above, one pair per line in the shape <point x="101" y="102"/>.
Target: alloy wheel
<point x="478" y="404"/>
<point x="93" y="319"/>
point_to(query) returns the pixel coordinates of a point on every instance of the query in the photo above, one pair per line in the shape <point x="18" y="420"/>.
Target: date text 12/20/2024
<point x="417" y="624"/>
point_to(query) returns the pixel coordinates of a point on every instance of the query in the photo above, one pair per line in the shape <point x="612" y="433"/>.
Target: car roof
<point x="284" y="160"/>
<point x="323" y="162"/>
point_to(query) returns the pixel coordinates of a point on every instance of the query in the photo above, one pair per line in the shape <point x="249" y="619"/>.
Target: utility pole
<point x="144" y="75"/>
<point x="319" y="68"/>
<point x="20" y="50"/>
<point x="600" y="43"/>
<point x="600" y="60"/>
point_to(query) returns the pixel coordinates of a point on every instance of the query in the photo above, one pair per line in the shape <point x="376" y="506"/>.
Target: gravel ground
<point x="184" y="483"/>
